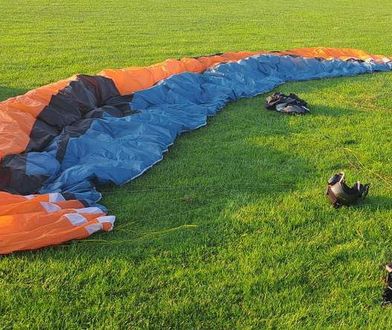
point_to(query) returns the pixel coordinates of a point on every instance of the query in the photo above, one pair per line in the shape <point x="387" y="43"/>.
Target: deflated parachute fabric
<point x="115" y="126"/>
<point x="32" y="222"/>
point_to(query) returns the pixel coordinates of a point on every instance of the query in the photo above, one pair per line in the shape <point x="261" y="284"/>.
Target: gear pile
<point x="290" y="104"/>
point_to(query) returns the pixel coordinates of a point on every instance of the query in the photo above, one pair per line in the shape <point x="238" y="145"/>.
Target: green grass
<point x="232" y="229"/>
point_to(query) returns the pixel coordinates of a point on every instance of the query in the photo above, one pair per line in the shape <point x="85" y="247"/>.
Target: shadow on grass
<point x="322" y="110"/>
<point x="375" y="203"/>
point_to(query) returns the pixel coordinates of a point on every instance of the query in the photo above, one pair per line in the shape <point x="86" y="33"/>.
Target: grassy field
<point x="232" y="229"/>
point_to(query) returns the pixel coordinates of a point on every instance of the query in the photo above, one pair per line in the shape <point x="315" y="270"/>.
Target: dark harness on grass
<point x="339" y="193"/>
<point x="289" y="104"/>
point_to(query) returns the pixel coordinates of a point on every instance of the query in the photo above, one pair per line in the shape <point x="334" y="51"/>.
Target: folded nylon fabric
<point x="32" y="222"/>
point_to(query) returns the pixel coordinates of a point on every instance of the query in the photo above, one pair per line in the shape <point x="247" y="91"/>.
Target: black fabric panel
<point x="62" y="110"/>
<point x="99" y="112"/>
<point x="13" y="177"/>
<point x="70" y="105"/>
<point x="121" y="103"/>
<point x="74" y="101"/>
<point x="41" y="135"/>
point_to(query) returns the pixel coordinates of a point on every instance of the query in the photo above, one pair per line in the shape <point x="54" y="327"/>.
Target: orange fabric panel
<point x="131" y="80"/>
<point x="192" y="64"/>
<point x="7" y="198"/>
<point x="240" y="55"/>
<point x="15" y="127"/>
<point x="18" y="115"/>
<point x="70" y="204"/>
<point x="14" y="224"/>
<point x="34" y="101"/>
<point x="34" y="205"/>
<point x="32" y="222"/>
<point x="329" y="53"/>
<point x="158" y="72"/>
<point x="57" y="232"/>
